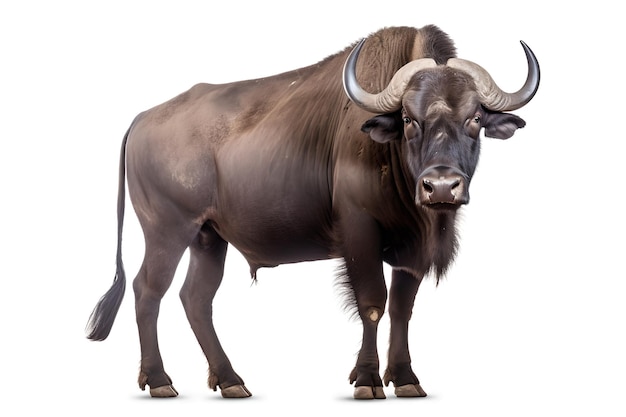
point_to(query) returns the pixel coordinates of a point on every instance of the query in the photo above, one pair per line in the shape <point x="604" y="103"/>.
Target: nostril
<point x="455" y="184"/>
<point x="428" y="186"/>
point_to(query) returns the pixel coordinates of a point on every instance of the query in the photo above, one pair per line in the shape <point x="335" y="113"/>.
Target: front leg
<point x="364" y="273"/>
<point x="404" y="288"/>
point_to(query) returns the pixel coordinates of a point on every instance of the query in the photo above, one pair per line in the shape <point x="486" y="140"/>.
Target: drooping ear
<point x="383" y="128"/>
<point x="502" y="125"/>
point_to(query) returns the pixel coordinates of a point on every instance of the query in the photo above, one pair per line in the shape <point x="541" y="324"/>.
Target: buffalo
<point x="365" y="156"/>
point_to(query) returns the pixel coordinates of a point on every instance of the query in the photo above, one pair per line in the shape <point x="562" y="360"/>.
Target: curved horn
<point x="388" y="100"/>
<point x="492" y="96"/>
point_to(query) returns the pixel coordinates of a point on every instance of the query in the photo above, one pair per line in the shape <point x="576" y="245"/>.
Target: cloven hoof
<point x="236" y="391"/>
<point x="410" y="390"/>
<point x="369" y="393"/>
<point x="166" y="391"/>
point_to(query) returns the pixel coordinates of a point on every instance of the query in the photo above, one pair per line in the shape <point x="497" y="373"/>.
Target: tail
<point x="103" y="315"/>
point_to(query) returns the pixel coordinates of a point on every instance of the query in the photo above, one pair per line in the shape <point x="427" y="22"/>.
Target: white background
<point x="530" y="320"/>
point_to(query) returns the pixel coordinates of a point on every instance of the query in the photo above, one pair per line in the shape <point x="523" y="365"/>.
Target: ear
<point x="502" y="125"/>
<point x="383" y="128"/>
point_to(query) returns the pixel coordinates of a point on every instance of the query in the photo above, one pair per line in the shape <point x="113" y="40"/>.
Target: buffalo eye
<point x="407" y="120"/>
<point x="473" y="125"/>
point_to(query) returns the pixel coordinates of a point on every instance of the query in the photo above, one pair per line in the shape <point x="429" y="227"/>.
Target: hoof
<point x="410" y="390"/>
<point x="369" y="393"/>
<point x="166" y="391"/>
<point x="236" y="391"/>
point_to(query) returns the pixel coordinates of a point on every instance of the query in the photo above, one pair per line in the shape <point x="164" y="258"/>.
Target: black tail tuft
<point x="103" y="315"/>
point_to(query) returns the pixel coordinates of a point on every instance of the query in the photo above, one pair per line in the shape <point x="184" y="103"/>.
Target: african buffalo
<point x="294" y="167"/>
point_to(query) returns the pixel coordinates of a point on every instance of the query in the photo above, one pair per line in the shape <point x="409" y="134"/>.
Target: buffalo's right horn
<point x="388" y="100"/>
<point x="492" y="96"/>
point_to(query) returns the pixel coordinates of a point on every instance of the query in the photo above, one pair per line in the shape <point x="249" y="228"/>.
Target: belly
<point x="273" y="237"/>
<point x="273" y="219"/>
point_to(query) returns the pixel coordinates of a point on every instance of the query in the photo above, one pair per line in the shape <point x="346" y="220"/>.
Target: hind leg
<point x="162" y="255"/>
<point x="206" y="268"/>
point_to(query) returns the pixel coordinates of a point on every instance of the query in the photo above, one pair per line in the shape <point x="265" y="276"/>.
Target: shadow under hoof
<point x="236" y="391"/>
<point x="166" y="391"/>
<point x="369" y="393"/>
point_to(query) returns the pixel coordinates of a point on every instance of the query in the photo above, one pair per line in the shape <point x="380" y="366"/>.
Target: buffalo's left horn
<point x="492" y="96"/>
<point x="388" y="100"/>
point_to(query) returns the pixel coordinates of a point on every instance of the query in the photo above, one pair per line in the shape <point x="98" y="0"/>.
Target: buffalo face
<point x="438" y="111"/>
<point x="438" y="127"/>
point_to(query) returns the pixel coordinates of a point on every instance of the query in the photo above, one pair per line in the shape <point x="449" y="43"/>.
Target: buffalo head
<point x="437" y="112"/>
